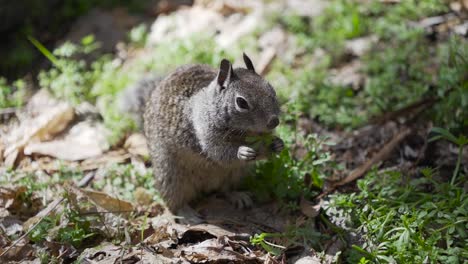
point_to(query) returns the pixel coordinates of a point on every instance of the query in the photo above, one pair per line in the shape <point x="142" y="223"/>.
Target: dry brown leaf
<point x="143" y="197"/>
<point x="110" y="204"/>
<point x="84" y="140"/>
<point x="136" y="145"/>
<point x="49" y="209"/>
<point x="12" y="199"/>
<point x="20" y="252"/>
<point x="111" y="157"/>
<point x="53" y="118"/>
<point x="309" y="209"/>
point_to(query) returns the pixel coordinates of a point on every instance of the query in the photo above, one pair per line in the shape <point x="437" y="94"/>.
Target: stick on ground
<point x="378" y="157"/>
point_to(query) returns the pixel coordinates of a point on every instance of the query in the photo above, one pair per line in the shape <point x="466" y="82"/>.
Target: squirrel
<point x="196" y="121"/>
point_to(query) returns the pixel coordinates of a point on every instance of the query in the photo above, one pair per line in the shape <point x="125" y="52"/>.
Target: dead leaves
<point x="48" y="128"/>
<point x="53" y="118"/>
<point x="84" y="203"/>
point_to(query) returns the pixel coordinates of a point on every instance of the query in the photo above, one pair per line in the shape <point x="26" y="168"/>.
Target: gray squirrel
<point x="197" y="120"/>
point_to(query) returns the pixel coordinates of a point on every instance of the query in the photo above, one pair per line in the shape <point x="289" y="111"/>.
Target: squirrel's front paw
<point x="277" y="145"/>
<point x="246" y="153"/>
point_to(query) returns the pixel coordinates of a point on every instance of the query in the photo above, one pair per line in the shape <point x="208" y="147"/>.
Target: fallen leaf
<point x="84" y="140"/>
<point x="111" y="157"/>
<point x="53" y="119"/>
<point x="15" y="201"/>
<point x="21" y="252"/>
<point x="136" y="145"/>
<point x="143" y="197"/>
<point x="110" y="204"/>
<point x="309" y="209"/>
<point x="50" y="209"/>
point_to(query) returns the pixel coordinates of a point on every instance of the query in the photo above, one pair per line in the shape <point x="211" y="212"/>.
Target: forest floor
<point x="374" y="101"/>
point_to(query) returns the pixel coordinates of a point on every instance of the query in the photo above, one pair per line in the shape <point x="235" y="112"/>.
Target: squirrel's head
<point x="245" y="99"/>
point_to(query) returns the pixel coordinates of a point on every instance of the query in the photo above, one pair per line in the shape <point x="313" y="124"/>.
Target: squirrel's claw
<point x="240" y="200"/>
<point x="277" y="145"/>
<point x="246" y="153"/>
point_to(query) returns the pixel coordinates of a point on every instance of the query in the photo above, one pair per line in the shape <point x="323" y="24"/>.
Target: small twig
<point x="57" y="202"/>
<point x="86" y="179"/>
<point x="414" y="107"/>
<point x="378" y="157"/>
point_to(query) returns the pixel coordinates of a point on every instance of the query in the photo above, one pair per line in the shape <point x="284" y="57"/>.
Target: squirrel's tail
<point x="132" y="100"/>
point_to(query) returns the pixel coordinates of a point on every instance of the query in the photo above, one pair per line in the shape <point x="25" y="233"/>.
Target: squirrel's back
<point x="164" y="119"/>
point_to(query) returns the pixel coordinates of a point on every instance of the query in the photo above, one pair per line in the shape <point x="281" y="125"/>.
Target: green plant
<point x="138" y="35"/>
<point x="41" y="231"/>
<point x="304" y="235"/>
<point x="12" y="95"/>
<point x="123" y="180"/>
<point x="282" y="176"/>
<point x="452" y="85"/>
<point x="460" y="141"/>
<point x="76" y="230"/>
<point x="406" y="222"/>
<point x="261" y="240"/>
<point x="70" y="78"/>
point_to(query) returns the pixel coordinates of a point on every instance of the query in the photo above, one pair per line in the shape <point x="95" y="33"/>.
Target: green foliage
<point x="260" y="239"/>
<point x="198" y="48"/>
<point x="41" y="231"/>
<point x="452" y="85"/>
<point x="77" y="230"/>
<point x="74" y="229"/>
<point x="341" y="20"/>
<point x="138" y="35"/>
<point x="282" y="176"/>
<point x="123" y="180"/>
<point x="398" y="74"/>
<point x="70" y="78"/>
<point x="460" y="141"/>
<point x="407" y="222"/>
<point x="304" y="235"/>
<point x="401" y="69"/>
<point x="12" y="95"/>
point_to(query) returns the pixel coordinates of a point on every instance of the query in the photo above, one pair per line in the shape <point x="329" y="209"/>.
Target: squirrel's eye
<point x="242" y="103"/>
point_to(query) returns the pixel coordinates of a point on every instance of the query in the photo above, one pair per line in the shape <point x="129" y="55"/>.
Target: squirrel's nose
<point x="273" y="122"/>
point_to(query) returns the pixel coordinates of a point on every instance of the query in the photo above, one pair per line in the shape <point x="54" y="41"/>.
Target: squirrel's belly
<point x="205" y="175"/>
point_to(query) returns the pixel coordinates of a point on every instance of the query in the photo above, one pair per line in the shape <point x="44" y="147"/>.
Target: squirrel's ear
<point x="225" y="73"/>
<point x="248" y="63"/>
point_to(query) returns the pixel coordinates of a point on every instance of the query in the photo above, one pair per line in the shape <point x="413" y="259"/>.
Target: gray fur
<point x="132" y="100"/>
<point x="196" y="132"/>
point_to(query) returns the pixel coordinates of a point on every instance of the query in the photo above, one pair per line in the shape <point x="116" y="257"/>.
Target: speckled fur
<point x="194" y="132"/>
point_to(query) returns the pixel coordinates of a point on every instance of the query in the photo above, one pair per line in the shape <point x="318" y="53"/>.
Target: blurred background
<point x="352" y="60"/>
